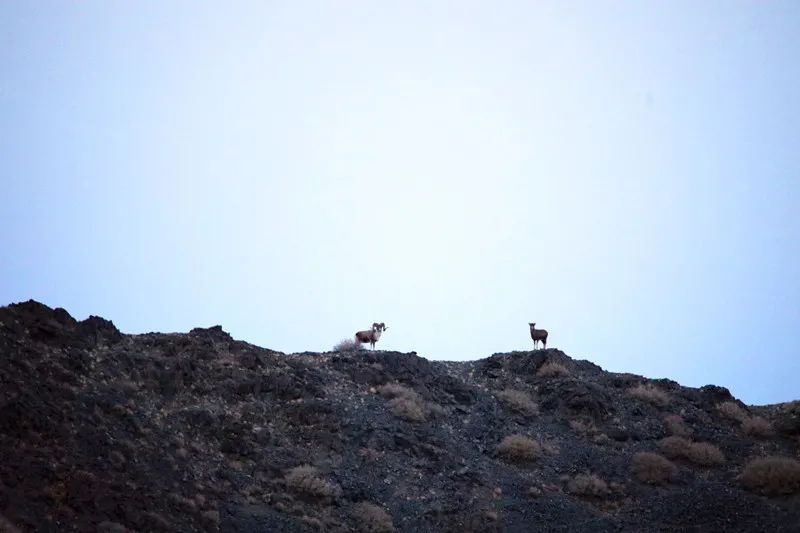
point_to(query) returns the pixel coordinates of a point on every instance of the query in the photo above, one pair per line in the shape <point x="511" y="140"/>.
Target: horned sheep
<point x="371" y="336"/>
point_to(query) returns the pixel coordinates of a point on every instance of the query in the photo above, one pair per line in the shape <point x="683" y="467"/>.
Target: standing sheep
<point x="538" y="335"/>
<point x="371" y="336"/>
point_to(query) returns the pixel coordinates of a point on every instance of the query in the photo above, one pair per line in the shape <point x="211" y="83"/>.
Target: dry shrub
<point x="757" y="426"/>
<point x="705" y="454"/>
<point x="583" y="427"/>
<point x="674" y="447"/>
<point x="395" y="390"/>
<point x="677" y="426"/>
<point x="347" y="345"/>
<point x="518" y="401"/>
<point x="650" y="394"/>
<point x="305" y="480"/>
<point x="701" y="453"/>
<point x="732" y="411"/>
<point x="552" y="370"/>
<point x="602" y="439"/>
<point x="519" y="448"/>
<point x="653" y="469"/>
<point x="313" y="522"/>
<point x="772" y="475"/>
<point x="407" y="409"/>
<point x="407" y="404"/>
<point x="372" y="518"/>
<point x="587" y="485"/>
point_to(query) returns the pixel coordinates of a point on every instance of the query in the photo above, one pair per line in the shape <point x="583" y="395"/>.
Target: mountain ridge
<point x="105" y="431"/>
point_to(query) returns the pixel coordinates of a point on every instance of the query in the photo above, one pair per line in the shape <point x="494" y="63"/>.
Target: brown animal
<point x="538" y="335"/>
<point x="371" y="336"/>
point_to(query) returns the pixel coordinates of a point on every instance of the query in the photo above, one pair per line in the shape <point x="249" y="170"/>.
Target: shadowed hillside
<point x="101" y="431"/>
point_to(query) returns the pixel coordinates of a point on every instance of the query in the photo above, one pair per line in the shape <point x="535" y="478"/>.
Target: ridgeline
<point x="102" y="431"/>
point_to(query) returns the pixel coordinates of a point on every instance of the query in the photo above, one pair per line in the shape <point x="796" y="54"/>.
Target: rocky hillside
<point x="101" y="431"/>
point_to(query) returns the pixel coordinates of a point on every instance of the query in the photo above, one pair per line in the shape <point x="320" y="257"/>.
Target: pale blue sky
<point x="625" y="174"/>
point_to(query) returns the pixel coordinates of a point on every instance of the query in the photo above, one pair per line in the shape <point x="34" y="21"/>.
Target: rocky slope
<point x="101" y="431"/>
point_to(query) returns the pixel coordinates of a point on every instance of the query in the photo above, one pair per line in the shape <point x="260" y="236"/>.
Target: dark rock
<point x="98" y="330"/>
<point x="214" y="333"/>
<point x="101" y="431"/>
<point x="618" y="434"/>
<point x="788" y="419"/>
<point x="715" y="394"/>
<point x="110" y="527"/>
<point x="578" y="397"/>
<point x="459" y="392"/>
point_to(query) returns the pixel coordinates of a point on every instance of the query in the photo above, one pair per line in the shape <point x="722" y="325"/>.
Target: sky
<point x="624" y="174"/>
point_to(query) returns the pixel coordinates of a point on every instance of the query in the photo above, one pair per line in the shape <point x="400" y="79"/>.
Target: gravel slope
<point x="101" y="431"/>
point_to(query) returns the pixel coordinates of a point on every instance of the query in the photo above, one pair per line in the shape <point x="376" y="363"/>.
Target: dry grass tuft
<point x="701" y="453"/>
<point x="757" y="426"/>
<point x="519" y="448"/>
<point x="772" y="475"/>
<point x="347" y="345"/>
<point x="518" y="401"/>
<point x="653" y="469"/>
<point x="408" y="410"/>
<point x="395" y="390"/>
<point x="677" y="426"/>
<point x="552" y="370"/>
<point x="650" y="394"/>
<point x="407" y="404"/>
<point x="372" y="518"/>
<point x="588" y="485"/>
<point x="733" y="411"/>
<point x="305" y="480"/>
<point x="583" y="427"/>
<point x="674" y="447"/>
<point x="705" y="454"/>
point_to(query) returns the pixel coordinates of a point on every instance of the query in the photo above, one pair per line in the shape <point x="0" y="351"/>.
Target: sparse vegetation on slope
<point x="676" y="426"/>
<point x="589" y="485"/>
<point x="372" y="518"/>
<point x="552" y="370"/>
<point x="305" y="479"/>
<point x="518" y="401"/>
<point x="519" y="448"/>
<point x="772" y="475"/>
<point x="757" y="426"/>
<point x="733" y="412"/>
<point x="347" y="345"/>
<point x="650" y="394"/>
<point x="406" y="403"/>
<point x="700" y="453"/>
<point x="653" y="469"/>
<point x="101" y="431"/>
